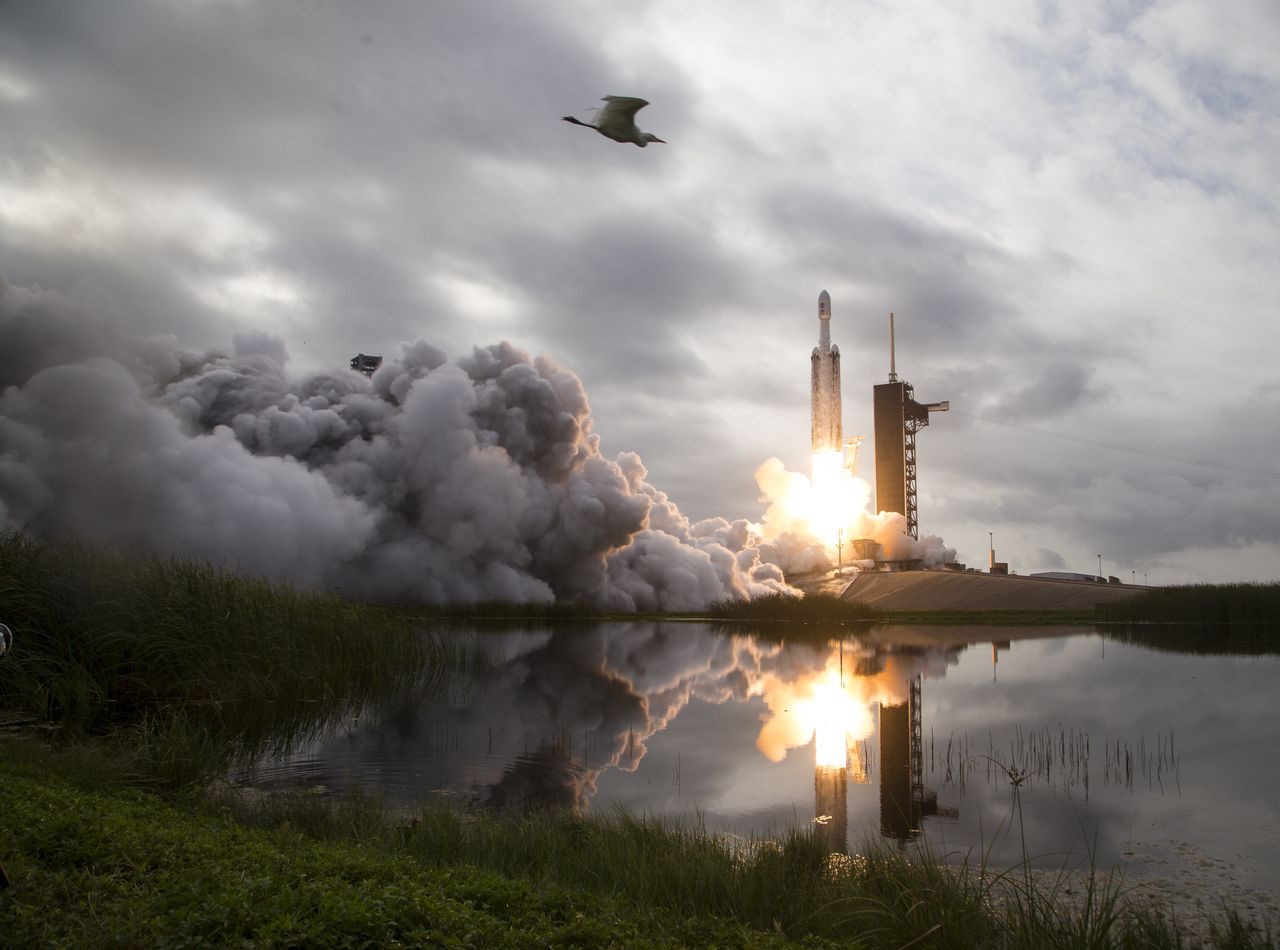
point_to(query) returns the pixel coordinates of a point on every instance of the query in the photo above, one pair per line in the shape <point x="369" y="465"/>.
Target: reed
<point x="123" y="858"/>
<point x="880" y="896"/>
<point x="1063" y="758"/>
<point x="1227" y="604"/>
<point x="184" y="657"/>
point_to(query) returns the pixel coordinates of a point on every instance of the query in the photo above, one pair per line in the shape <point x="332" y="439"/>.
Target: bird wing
<point x="620" y="109"/>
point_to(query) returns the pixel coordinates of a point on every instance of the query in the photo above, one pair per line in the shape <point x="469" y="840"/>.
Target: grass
<point x="107" y="867"/>
<point x="815" y="608"/>
<point x="160" y="670"/>
<point x="1209" y="619"/>
<point x="1235" y="604"/>
<point x="182" y="663"/>
<point x="95" y="863"/>
<point x="1062" y="758"/>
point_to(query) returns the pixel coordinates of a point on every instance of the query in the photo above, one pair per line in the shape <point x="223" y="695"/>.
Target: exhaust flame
<point x="831" y="706"/>
<point x="829" y="511"/>
<point x="838" y="499"/>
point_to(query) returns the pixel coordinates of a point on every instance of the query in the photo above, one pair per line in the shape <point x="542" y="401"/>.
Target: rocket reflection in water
<point x="548" y="716"/>
<point x="904" y="801"/>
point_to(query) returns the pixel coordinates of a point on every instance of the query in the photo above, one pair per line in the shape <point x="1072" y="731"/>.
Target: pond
<point x="1054" y="742"/>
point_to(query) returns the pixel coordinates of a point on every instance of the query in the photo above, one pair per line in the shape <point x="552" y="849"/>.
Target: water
<point x="974" y="740"/>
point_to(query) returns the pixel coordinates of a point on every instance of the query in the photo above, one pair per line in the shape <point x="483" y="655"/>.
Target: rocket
<point x="825" y="384"/>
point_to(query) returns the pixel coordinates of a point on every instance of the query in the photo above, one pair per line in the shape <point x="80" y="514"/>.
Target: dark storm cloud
<point x="353" y="139"/>
<point x="1038" y="387"/>
<point x="623" y="292"/>
<point x="1137" y="510"/>
<point x="1051" y="212"/>
<point x="244" y="91"/>
<point x="934" y="275"/>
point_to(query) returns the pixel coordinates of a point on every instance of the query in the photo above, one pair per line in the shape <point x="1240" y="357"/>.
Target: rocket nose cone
<point x="824" y="305"/>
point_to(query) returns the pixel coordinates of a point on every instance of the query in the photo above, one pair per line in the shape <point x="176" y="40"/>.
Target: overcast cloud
<point x="1072" y="208"/>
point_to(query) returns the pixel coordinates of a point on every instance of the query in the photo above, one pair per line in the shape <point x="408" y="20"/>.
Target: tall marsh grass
<point x="188" y="657"/>
<point x="1200" y="604"/>
<point x="883" y="896"/>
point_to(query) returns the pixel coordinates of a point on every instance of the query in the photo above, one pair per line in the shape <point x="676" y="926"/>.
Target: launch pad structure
<point x="897" y="418"/>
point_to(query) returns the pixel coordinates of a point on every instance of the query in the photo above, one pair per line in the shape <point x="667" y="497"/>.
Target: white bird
<point x="617" y="120"/>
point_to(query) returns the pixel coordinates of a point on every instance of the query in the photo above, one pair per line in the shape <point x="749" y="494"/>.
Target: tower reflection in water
<point x="904" y="799"/>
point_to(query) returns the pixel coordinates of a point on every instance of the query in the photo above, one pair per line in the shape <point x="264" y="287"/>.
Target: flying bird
<point x="617" y="120"/>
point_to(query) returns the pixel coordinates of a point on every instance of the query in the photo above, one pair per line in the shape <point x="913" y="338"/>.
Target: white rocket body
<point x="825" y="384"/>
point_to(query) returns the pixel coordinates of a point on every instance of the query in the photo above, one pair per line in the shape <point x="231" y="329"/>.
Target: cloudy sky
<point x="1071" y="207"/>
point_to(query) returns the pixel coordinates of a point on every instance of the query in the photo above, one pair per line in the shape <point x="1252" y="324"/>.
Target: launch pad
<point x="898" y="417"/>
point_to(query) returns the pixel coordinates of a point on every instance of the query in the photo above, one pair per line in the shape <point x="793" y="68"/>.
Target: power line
<point x="1133" y="450"/>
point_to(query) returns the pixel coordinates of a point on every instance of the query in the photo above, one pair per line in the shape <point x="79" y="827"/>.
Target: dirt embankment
<point x="946" y="590"/>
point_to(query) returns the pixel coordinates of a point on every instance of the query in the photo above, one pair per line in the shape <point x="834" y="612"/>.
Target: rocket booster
<point x="824" y="377"/>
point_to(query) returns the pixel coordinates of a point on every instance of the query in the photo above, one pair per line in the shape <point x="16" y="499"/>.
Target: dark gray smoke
<point x="436" y="480"/>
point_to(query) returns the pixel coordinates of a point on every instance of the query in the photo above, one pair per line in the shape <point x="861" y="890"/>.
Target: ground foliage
<point x="96" y="863"/>
<point x="153" y="670"/>
<point x="95" y="868"/>
<point x="105" y="640"/>
<point x="818" y="608"/>
<point x="1228" y="605"/>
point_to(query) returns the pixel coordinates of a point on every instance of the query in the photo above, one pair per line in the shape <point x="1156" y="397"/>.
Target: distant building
<point x="363" y="363"/>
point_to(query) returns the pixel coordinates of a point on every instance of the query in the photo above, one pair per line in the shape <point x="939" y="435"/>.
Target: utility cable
<point x="1134" y="450"/>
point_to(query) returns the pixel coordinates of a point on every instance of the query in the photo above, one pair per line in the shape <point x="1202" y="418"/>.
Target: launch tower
<point x="898" y="417"/>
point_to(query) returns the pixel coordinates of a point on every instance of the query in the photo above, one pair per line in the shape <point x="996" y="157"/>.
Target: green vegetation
<point x="1235" y="604"/>
<point x="110" y="868"/>
<point x="94" y="863"/>
<point x="815" y="608"/>
<point x="158" y="673"/>
<point x="1199" y="618"/>
<point x="181" y="664"/>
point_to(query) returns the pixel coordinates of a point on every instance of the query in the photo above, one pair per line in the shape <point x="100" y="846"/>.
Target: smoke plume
<point x="435" y="480"/>
<point x="798" y="530"/>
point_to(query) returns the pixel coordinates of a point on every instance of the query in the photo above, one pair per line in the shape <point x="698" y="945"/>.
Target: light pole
<point x="1099" y="567"/>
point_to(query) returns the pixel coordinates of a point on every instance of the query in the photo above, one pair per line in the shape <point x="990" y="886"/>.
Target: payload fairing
<point x="825" y="384"/>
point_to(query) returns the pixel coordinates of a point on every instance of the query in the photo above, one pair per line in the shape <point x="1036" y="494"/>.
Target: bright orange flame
<point x="818" y="707"/>
<point x="826" y="706"/>
<point x="837" y="499"/>
<point x="829" y="508"/>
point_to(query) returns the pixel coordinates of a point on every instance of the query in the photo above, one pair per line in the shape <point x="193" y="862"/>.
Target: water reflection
<point x="900" y="731"/>
<point x="548" y="712"/>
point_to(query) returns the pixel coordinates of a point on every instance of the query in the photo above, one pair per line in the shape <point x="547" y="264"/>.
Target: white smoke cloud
<point x="435" y="480"/>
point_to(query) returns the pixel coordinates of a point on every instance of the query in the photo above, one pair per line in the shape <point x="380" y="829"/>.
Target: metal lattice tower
<point x="898" y="417"/>
<point x="912" y="425"/>
<point x="917" y="744"/>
